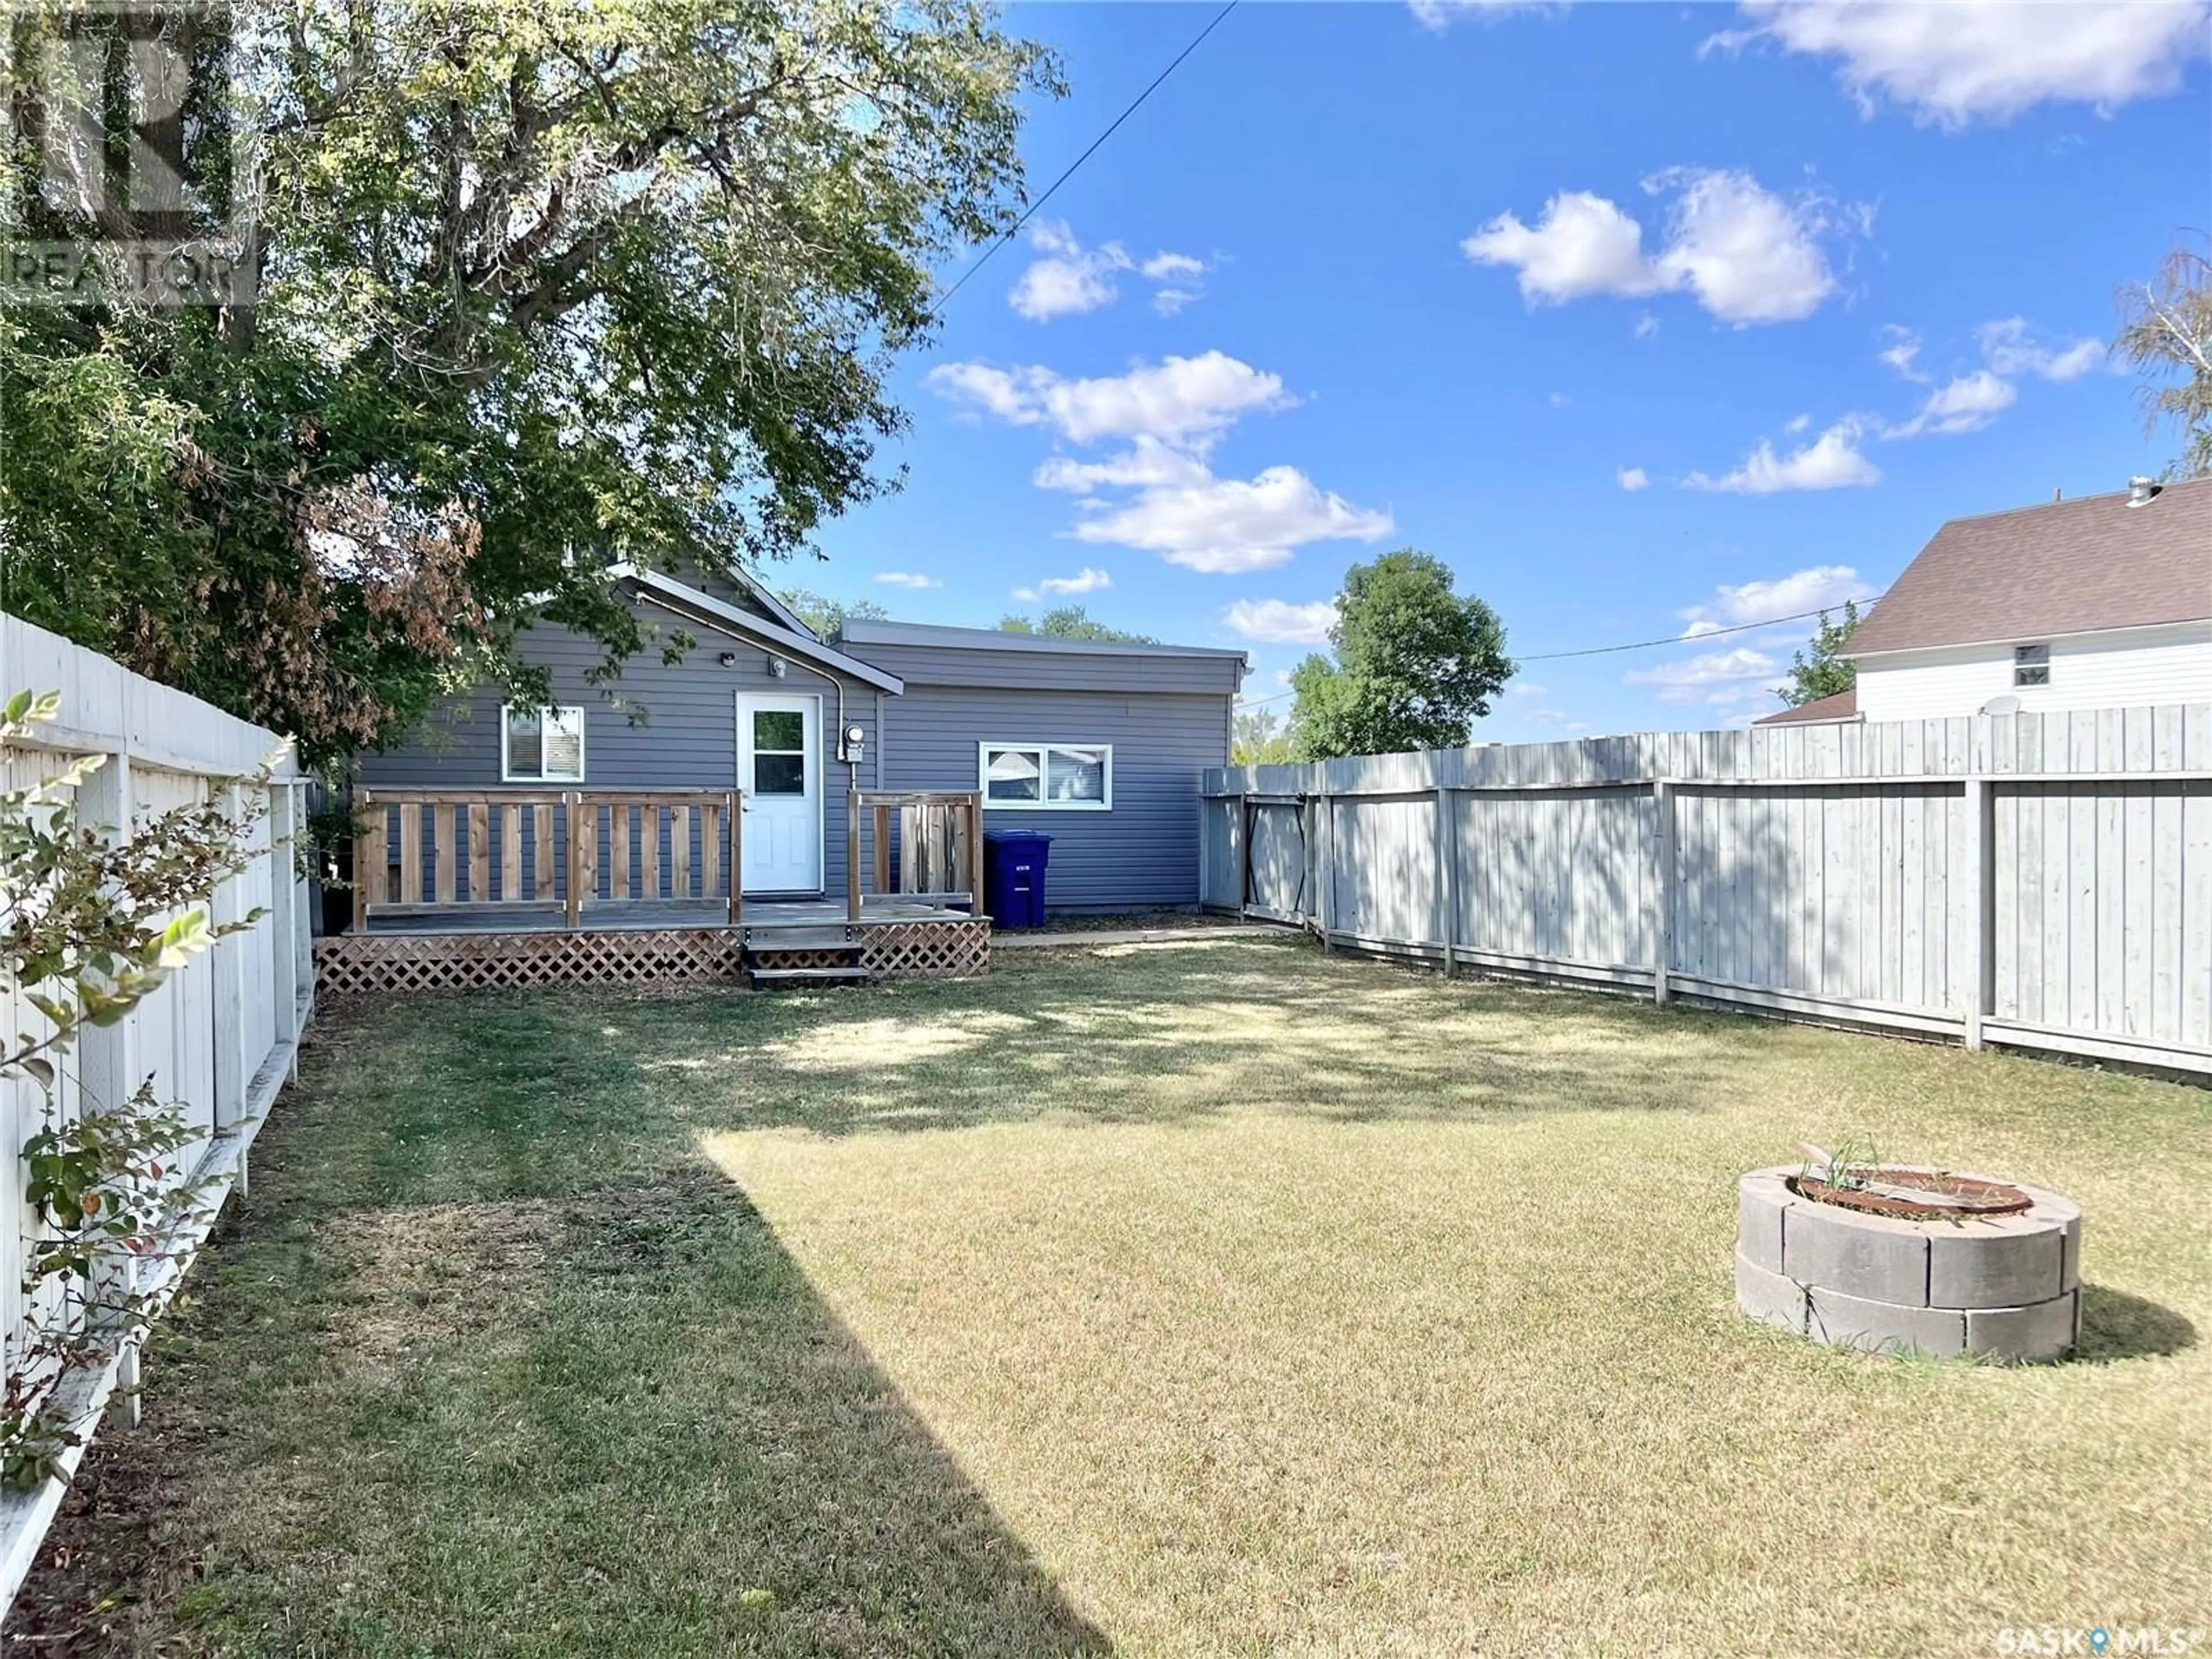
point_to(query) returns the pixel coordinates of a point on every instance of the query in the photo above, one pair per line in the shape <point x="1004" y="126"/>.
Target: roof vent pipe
<point x="2142" y="491"/>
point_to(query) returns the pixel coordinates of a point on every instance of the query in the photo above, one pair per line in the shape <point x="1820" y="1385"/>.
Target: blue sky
<point x="1647" y="318"/>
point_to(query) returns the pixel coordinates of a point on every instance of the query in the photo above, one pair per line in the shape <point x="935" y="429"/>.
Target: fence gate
<point x="1276" y="874"/>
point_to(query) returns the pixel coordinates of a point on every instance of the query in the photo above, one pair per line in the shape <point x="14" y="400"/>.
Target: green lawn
<point x="1218" y="1297"/>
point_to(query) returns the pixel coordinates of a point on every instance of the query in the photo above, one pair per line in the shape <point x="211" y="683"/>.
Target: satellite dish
<point x="2007" y="704"/>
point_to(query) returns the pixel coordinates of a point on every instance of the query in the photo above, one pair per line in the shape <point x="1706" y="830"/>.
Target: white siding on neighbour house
<point x="2090" y="671"/>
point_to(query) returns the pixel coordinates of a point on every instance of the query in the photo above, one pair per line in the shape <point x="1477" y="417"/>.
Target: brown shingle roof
<point x="1837" y="706"/>
<point x="2066" y="568"/>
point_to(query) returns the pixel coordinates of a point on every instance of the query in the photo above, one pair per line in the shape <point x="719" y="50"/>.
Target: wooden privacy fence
<point x="2041" y="881"/>
<point x="218" y="1039"/>
<point x="424" y="848"/>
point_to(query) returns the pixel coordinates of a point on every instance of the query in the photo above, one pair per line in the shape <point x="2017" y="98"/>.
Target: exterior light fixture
<point x="728" y="659"/>
<point x="777" y="668"/>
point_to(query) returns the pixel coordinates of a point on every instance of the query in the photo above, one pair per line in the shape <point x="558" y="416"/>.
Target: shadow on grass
<point x="492" y="1362"/>
<point x="2116" y="1326"/>
<point x="1172" y="1036"/>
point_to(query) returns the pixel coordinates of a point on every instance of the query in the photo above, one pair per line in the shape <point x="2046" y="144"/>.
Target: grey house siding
<point x="688" y="739"/>
<point x="1166" y="712"/>
<point x="1141" y="855"/>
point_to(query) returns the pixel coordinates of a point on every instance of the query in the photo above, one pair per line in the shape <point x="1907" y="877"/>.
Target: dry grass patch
<point x="1234" y="1300"/>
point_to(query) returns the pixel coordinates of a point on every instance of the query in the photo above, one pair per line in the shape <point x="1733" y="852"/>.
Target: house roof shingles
<point x="2065" y="568"/>
<point x="1836" y="706"/>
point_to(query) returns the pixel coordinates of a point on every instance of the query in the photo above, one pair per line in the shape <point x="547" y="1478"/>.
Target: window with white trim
<point x="541" y="745"/>
<point x="1047" y="777"/>
<point x="2031" y="664"/>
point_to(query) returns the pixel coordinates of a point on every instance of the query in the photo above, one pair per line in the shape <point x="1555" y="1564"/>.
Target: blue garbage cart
<point x="1013" y="877"/>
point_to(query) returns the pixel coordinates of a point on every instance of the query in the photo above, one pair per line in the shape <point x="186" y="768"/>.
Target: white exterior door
<point x="780" y="770"/>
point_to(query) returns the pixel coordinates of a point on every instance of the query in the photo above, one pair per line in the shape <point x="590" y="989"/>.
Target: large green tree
<point x="1258" y="737"/>
<point x="1415" y="665"/>
<point x="1072" y="621"/>
<point x="1824" y="672"/>
<point x="2166" y="334"/>
<point x="828" y="616"/>
<point x="540" y="285"/>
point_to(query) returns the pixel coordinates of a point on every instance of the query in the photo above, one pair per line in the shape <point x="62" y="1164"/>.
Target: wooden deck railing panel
<point x="939" y="844"/>
<point x="422" y="849"/>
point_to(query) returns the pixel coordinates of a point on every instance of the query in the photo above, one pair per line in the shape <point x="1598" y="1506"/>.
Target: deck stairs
<point x="819" y="953"/>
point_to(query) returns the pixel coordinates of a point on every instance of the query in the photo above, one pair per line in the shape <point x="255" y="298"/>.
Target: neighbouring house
<point x="1835" y="709"/>
<point x="1099" y="746"/>
<point x="2100" y="602"/>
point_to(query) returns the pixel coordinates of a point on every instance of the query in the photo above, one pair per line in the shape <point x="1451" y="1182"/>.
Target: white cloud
<point x="1165" y="267"/>
<point x="1147" y="464"/>
<point x="1631" y="477"/>
<point x="2013" y="347"/>
<point x="1966" y="404"/>
<point x="1179" y="279"/>
<point x="1747" y="254"/>
<point x="1170" y="414"/>
<point x="1581" y="245"/>
<point x="1070" y="279"/>
<point x="1560" y="400"/>
<point x="1817" y="587"/>
<point x="1902" y="354"/>
<point x="1717" y="677"/>
<point x="1646" y="326"/>
<point x="1085" y="581"/>
<point x="1526" y="694"/>
<point x="1439" y="14"/>
<point x="994" y="390"/>
<point x="1957" y="62"/>
<point x="1177" y="400"/>
<point x="1796" y="423"/>
<point x="906" y="578"/>
<point x="1227" y="525"/>
<point x="1279" y="622"/>
<point x="1831" y="461"/>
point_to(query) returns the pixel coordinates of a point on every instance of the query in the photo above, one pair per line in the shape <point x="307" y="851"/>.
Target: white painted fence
<point x="2043" y="881"/>
<point x="219" y="1037"/>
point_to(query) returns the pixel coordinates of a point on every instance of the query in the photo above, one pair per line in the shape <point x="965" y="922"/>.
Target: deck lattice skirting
<point x="387" y="963"/>
<point x="927" y="949"/>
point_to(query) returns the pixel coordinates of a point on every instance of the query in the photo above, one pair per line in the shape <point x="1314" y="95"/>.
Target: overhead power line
<point x="1637" y="645"/>
<point x="1683" y="639"/>
<point x="1134" y="105"/>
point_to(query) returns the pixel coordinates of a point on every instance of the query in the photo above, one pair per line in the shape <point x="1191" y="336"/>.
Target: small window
<point x="1049" y="777"/>
<point x="542" y="745"/>
<point x="779" y="752"/>
<point x="2031" y="664"/>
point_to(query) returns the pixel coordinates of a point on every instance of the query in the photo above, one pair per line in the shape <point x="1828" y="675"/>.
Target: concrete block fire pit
<point x="1869" y="1266"/>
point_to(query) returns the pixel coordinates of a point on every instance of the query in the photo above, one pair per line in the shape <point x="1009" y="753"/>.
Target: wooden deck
<point x="499" y="890"/>
<point x="760" y="916"/>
